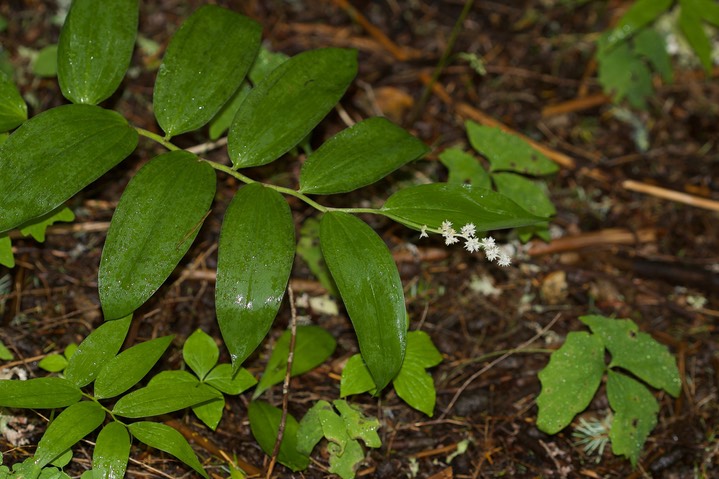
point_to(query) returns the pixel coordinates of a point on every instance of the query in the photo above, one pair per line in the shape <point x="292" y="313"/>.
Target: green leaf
<point x="13" y="110"/>
<point x="413" y="384"/>
<point x="313" y="345"/>
<point x="308" y="248"/>
<point x="200" y="353"/>
<point x="37" y="227"/>
<point x="54" y="155"/>
<point x="569" y="381"/>
<point x="371" y="289"/>
<point x="205" y="63"/>
<point x="129" y="367"/>
<point x="265" y="62"/>
<point x="359" y="156"/>
<point x="111" y="453"/>
<point x="507" y="152"/>
<point x="96" y="350"/>
<point x="223" y="378"/>
<point x="63" y="459"/>
<point x="286" y="105"/>
<point x="6" y="255"/>
<point x="155" y="223"/>
<point x="163" y="437"/>
<point x="5" y="353"/>
<point x="254" y="260"/>
<point x="641" y="13"/>
<point x="171" y="378"/>
<point x="265" y="424"/>
<point x="526" y="193"/>
<point x="95" y="48"/>
<point x="210" y="412"/>
<point x="356" y="378"/>
<point x="431" y="204"/>
<point x="464" y="168"/>
<point x="690" y="23"/>
<point x="45" y="63"/>
<point x="650" y="44"/>
<point x="157" y="399"/>
<point x="71" y="425"/>
<point x="358" y="425"/>
<point x="38" y="393"/>
<point x="623" y="73"/>
<point x="53" y="363"/>
<point x="69" y="350"/>
<point x="635" y="415"/>
<point x="637" y="352"/>
<point x="223" y="119"/>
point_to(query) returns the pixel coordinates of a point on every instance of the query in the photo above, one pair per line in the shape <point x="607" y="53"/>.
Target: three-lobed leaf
<point x="265" y="424"/>
<point x="356" y="378"/>
<point x="155" y="223"/>
<point x="54" y="155"/>
<point x="200" y="353"/>
<point x="288" y="103"/>
<point x="358" y="156"/>
<point x="39" y="393"/>
<point x="71" y="425"/>
<point x="13" y="109"/>
<point x="205" y="63"/>
<point x="95" y="48"/>
<point x="254" y="260"/>
<point x="112" y="451"/>
<point x="371" y="289"/>
<point x="163" y="437"/>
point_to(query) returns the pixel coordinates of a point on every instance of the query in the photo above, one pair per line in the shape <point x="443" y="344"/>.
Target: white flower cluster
<point x="471" y="242"/>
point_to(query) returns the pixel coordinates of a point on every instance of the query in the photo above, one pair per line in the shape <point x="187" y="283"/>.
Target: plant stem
<point x="155" y="137"/>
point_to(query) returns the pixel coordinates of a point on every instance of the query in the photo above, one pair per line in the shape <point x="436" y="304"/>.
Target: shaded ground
<point x="536" y="54"/>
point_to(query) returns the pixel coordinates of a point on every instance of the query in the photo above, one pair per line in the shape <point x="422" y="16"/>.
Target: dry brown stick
<point x="286" y="383"/>
<point x="575" y="104"/>
<point x="595" y="238"/>
<point x="672" y="195"/>
<point x="467" y="111"/>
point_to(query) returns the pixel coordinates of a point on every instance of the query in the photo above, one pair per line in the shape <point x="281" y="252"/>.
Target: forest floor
<point x="614" y="251"/>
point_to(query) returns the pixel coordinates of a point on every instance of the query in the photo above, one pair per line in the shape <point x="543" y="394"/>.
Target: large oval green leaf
<point x="39" y="393"/>
<point x="13" y="110"/>
<point x="286" y="105"/>
<point x="112" y="451"/>
<point x="204" y="65"/>
<point x="69" y="427"/>
<point x="254" y="260"/>
<point x="371" y="289"/>
<point x="158" y="399"/>
<point x="265" y="424"/>
<point x="96" y="350"/>
<point x="95" y="48"/>
<point x="163" y="437"/>
<point x="56" y="154"/>
<point x="359" y="156"/>
<point x="431" y="204"/>
<point x="155" y="223"/>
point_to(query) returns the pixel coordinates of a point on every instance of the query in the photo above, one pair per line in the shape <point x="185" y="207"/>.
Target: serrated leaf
<point x="464" y="168"/>
<point x="507" y="152"/>
<point x="96" y="350"/>
<point x="690" y="24"/>
<point x="431" y="204"/>
<point x="111" y="453"/>
<point x="45" y="63"/>
<point x="526" y="193"/>
<point x="356" y="378"/>
<point x="650" y="44"/>
<point x="358" y="425"/>
<point x="358" y="156"/>
<point x="53" y="363"/>
<point x="254" y="260"/>
<point x="38" y="393"/>
<point x="287" y="104"/>
<point x="71" y="425"/>
<point x="221" y="122"/>
<point x="635" y="415"/>
<point x="155" y="223"/>
<point x="569" y="381"/>
<point x="163" y="437"/>
<point x="127" y="368"/>
<point x="54" y="155"/>
<point x="265" y="424"/>
<point x="205" y="63"/>
<point x="371" y="289"/>
<point x="157" y="399"/>
<point x="37" y="227"/>
<point x="210" y="412"/>
<point x="200" y="353"/>
<point x="413" y="384"/>
<point x="641" y="13"/>
<point x="95" y="48"/>
<point x="6" y="255"/>
<point x="623" y="73"/>
<point x="313" y="345"/>
<point x="637" y="352"/>
<point x="223" y="378"/>
<point x="13" y="110"/>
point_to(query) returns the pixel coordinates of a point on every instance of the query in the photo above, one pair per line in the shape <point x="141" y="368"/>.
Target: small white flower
<point x="504" y="259"/>
<point x="450" y="239"/>
<point x="492" y="253"/>
<point x="423" y="232"/>
<point x="472" y="245"/>
<point x="488" y="243"/>
<point x="468" y="230"/>
<point x="446" y="227"/>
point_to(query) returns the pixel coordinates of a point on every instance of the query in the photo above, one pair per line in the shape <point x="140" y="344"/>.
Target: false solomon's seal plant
<point x="210" y="69"/>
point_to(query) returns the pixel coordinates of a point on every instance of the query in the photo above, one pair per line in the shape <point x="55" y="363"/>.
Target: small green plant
<point x="575" y="371"/>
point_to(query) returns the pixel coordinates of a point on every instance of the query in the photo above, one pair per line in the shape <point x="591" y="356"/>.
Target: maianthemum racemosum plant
<point x="214" y="68"/>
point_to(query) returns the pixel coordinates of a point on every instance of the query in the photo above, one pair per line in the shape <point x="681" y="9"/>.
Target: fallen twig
<point x="672" y="195"/>
<point x="595" y="238"/>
